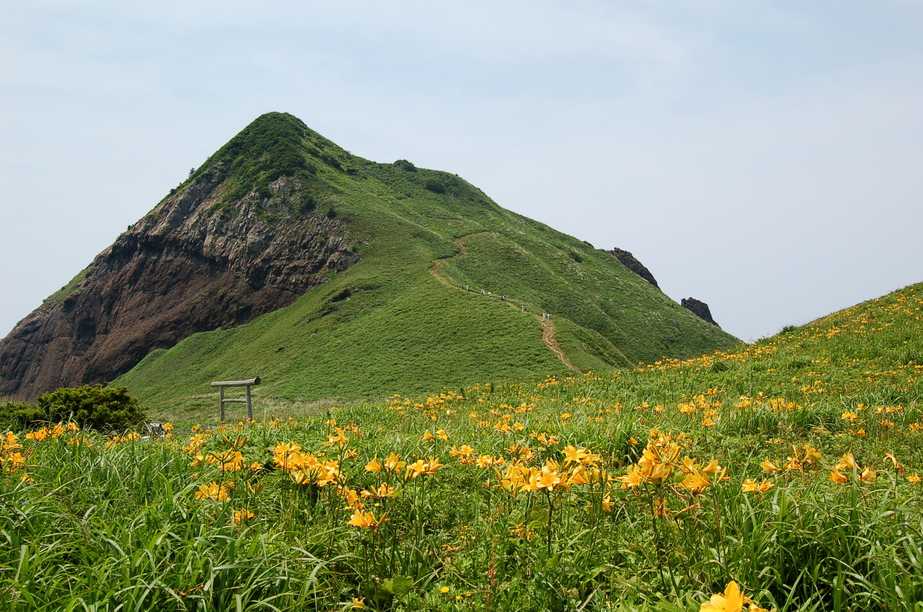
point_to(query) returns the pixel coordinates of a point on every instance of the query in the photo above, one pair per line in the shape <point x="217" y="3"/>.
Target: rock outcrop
<point x="699" y="309"/>
<point x="196" y="263"/>
<point x="628" y="260"/>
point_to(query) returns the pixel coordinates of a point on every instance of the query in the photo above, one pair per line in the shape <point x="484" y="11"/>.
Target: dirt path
<point x="548" y="328"/>
<point x="438" y="265"/>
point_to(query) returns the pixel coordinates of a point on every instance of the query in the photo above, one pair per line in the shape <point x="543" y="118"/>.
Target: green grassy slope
<point x="400" y="321"/>
<point x="791" y="467"/>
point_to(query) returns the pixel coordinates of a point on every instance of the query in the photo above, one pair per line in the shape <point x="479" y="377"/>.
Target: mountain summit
<point x="334" y="276"/>
<point x="238" y="239"/>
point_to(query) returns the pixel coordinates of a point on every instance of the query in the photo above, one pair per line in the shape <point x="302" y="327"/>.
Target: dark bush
<point x="405" y="165"/>
<point x="331" y="161"/>
<point x="306" y="204"/>
<point x="92" y="406"/>
<point x="434" y="185"/>
<point x="18" y="416"/>
<point x="720" y="366"/>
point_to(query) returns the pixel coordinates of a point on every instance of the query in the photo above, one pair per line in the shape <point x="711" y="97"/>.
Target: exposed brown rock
<point x="191" y="265"/>
<point x="699" y="309"/>
<point x="628" y="260"/>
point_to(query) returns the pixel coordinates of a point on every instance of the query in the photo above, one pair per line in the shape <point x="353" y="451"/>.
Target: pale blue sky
<point x="765" y="157"/>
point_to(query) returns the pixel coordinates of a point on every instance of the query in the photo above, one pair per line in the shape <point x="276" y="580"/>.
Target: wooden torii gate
<point x="236" y="383"/>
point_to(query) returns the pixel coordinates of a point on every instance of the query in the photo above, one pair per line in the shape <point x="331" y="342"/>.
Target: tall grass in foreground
<point x="790" y="469"/>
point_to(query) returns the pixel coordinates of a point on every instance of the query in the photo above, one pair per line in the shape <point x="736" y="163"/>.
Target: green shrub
<point x="405" y="165"/>
<point x="92" y="406"/>
<point x="306" y="204"/>
<point x="18" y="416"/>
<point x="434" y="185"/>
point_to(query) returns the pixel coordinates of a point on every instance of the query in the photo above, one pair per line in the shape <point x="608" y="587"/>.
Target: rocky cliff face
<point x="629" y="261"/>
<point x="193" y="264"/>
<point x="699" y="309"/>
<point x="696" y="307"/>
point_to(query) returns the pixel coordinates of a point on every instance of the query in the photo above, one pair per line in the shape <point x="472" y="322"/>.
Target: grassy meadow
<point x="787" y="472"/>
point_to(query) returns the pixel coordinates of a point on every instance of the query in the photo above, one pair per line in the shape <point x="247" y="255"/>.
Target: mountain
<point x="330" y="275"/>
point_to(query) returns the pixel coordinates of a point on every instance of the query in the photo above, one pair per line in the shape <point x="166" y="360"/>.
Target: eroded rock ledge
<point x="191" y="265"/>
<point x="629" y="261"/>
<point x="699" y="309"/>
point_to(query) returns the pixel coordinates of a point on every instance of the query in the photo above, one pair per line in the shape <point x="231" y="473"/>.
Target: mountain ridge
<point x="280" y="212"/>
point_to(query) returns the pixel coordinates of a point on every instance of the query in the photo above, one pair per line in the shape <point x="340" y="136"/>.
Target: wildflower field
<point x="782" y="475"/>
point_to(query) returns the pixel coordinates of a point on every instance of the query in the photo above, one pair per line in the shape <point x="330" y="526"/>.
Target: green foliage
<point x="275" y="145"/>
<point x="19" y="415"/>
<point x="405" y="165"/>
<point x="92" y="406"/>
<point x="307" y="204"/>
<point x="268" y="148"/>
<point x="434" y="184"/>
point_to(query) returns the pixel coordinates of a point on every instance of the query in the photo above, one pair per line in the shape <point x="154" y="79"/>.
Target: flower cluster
<point x="11" y="457"/>
<point x="732" y="600"/>
<point x="214" y="491"/>
<point x="305" y="468"/>
<point x="848" y="462"/>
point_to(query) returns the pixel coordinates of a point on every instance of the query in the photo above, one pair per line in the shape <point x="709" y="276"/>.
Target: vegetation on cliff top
<point x="275" y="145"/>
